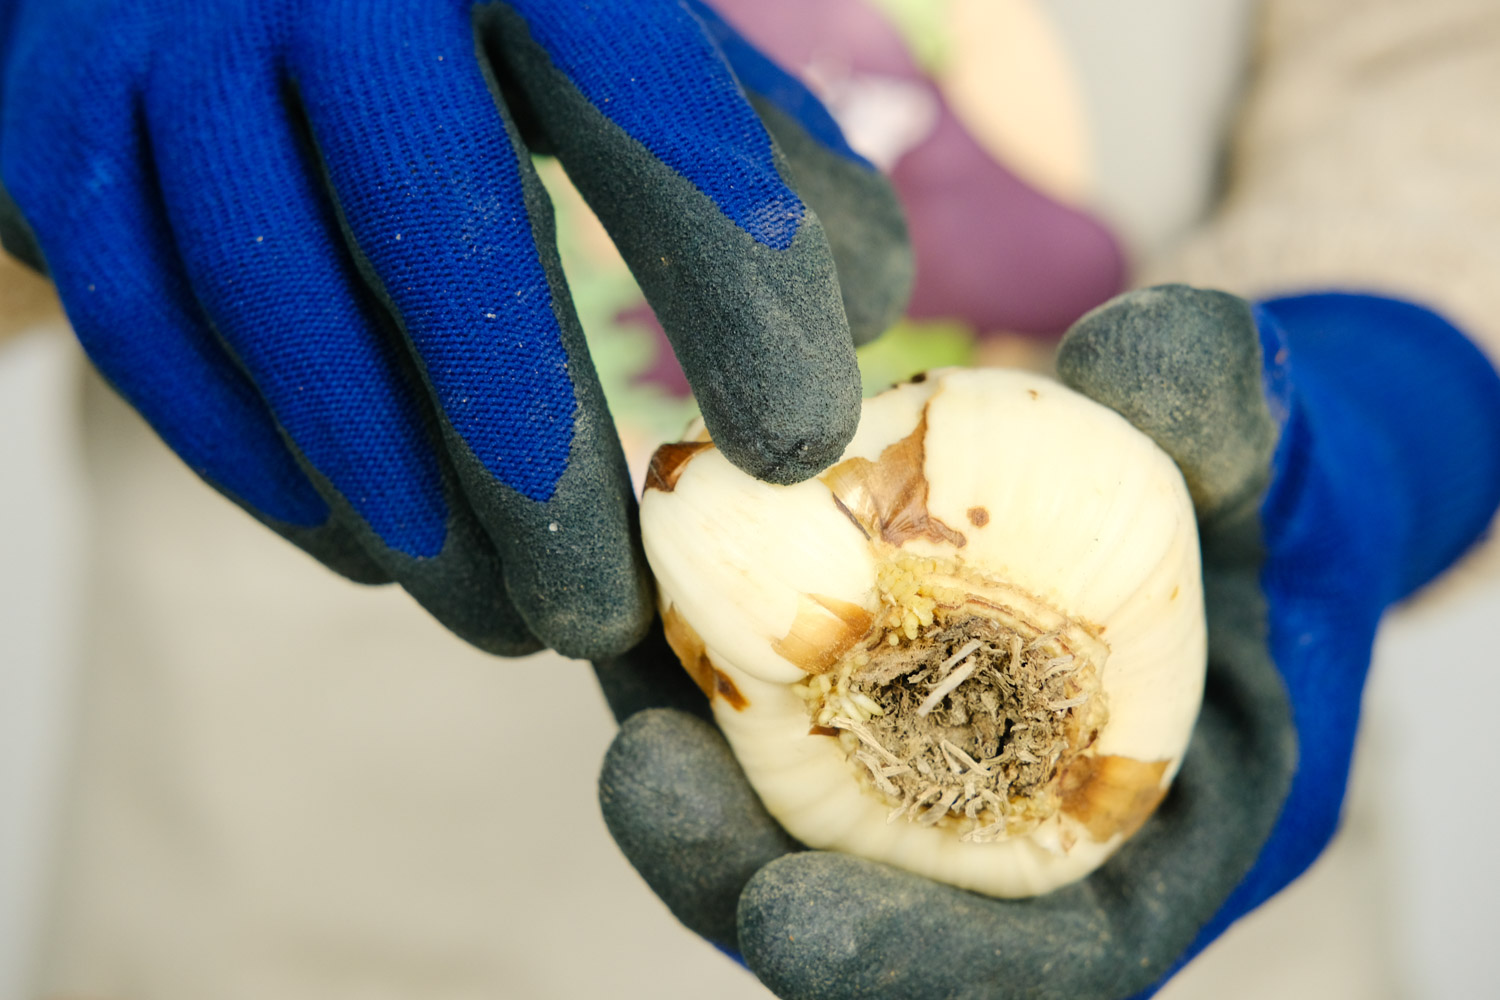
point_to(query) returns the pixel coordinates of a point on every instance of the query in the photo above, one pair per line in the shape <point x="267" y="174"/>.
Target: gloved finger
<point x="658" y="137"/>
<point x="679" y="807"/>
<point x="267" y="262"/>
<point x="1184" y="365"/>
<point x="648" y="675"/>
<point x="1218" y="382"/>
<point x="450" y="224"/>
<point x="831" y="926"/>
<point x="97" y="217"/>
<point x="857" y="205"/>
<point x="672" y="795"/>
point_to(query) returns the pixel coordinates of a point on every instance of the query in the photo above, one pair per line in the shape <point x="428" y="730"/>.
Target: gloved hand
<point x="306" y="242"/>
<point x="1341" y="451"/>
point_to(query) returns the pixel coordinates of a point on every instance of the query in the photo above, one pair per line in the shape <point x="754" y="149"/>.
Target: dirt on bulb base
<point x="971" y="723"/>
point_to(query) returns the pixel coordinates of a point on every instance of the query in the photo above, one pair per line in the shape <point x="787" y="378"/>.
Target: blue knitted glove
<point x="306" y="242"/>
<point x="1341" y="451"/>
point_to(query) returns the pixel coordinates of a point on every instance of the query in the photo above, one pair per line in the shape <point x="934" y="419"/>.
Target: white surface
<point x="41" y="525"/>
<point x="1160" y="81"/>
<point x="1436" y="677"/>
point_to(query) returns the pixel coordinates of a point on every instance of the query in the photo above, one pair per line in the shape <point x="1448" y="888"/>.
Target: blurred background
<point x="225" y="772"/>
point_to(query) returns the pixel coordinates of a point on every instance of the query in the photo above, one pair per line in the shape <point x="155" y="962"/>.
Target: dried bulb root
<point x="970" y="719"/>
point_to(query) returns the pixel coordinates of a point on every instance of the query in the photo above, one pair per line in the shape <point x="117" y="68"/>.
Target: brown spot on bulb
<point x="669" y="461"/>
<point x="692" y="652"/>
<point x="887" y="498"/>
<point x="850" y="515"/>
<point x="1111" y="794"/>
<point x="724" y="686"/>
<point x="690" y="649"/>
<point x="978" y="516"/>
<point x="824" y="630"/>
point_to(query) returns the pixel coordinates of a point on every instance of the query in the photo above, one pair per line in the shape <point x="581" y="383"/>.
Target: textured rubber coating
<point x="653" y="776"/>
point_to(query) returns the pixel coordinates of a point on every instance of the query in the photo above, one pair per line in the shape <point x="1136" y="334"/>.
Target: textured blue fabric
<point x="268" y="264"/>
<point x="619" y="57"/>
<point x="196" y="171"/>
<point x="1379" y="400"/>
<point x="74" y="156"/>
<point x="434" y="202"/>
<point x="761" y="76"/>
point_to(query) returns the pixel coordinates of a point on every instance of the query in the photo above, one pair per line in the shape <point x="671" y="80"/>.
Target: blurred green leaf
<point x="913" y="346"/>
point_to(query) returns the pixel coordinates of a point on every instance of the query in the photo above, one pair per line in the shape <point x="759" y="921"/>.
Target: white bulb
<point x="974" y="648"/>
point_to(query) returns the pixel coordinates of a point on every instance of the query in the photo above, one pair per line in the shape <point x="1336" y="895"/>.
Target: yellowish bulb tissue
<point x="973" y="648"/>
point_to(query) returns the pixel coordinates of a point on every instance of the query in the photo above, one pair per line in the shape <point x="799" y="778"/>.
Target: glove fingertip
<point x="677" y="804"/>
<point x="335" y="546"/>
<point x="795" y="431"/>
<point x="1183" y="365"/>
<point x="573" y="565"/>
<point x="836" y="927"/>
<point x="606" y="623"/>
<point x="464" y="590"/>
<point x="795" y="934"/>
